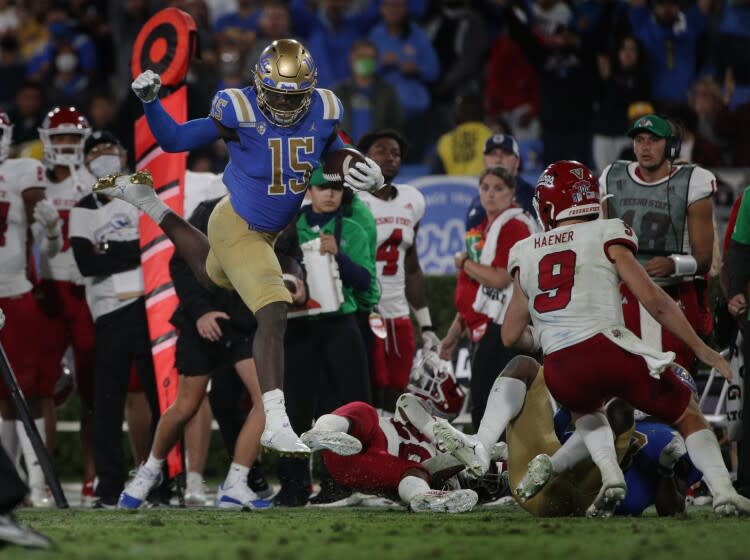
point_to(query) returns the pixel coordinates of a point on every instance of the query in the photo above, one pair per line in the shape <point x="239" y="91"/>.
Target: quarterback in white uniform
<point x="22" y="201"/>
<point x="566" y="283"/>
<point x="397" y="209"/>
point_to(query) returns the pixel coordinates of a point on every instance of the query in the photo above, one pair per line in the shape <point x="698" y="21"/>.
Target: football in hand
<point x="338" y="163"/>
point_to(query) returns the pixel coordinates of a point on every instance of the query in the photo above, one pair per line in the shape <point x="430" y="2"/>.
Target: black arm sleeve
<point x="120" y="256"/>
<point x="739" y="268"/>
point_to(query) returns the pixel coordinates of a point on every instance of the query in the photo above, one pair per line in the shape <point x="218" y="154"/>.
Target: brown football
<point x="338" y="163"/>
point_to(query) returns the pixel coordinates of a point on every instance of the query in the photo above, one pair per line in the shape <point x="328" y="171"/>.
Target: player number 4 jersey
<point x="16" y="175"/>
<point x="395" y="220"/>
<point x="571" y="284"/>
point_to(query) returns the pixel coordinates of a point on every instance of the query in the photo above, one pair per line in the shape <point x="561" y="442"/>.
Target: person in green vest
<point x="325" y="357"/>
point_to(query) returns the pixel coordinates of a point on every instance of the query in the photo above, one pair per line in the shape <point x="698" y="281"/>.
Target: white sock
<point x="9" y="439"/>
<point x="34" y="470"/>
<point x="572" y="452"/>
<point x="706" y="456"/>
<point x="597" y="435"/>
<point x="332" y="423"/>
<point x="153" y="464"/>
<point x="237" y="473"/>
<point x="503" y="404"/>
<point x="417" y="415"/>
<point x="412" y="486"/>
<point x="273" y="404"/>
<point x="155" y="209"/>
<point x="193" y="479"/>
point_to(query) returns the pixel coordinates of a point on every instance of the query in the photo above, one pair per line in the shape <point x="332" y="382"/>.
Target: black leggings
<point x="488" y="358"/>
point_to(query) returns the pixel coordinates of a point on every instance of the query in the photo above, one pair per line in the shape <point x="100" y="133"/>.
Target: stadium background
<point x="33" y="35"/>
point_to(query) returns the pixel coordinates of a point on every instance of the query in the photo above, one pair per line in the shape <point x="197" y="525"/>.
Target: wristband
<point x="463" y="261"/>
<point x="422" y="315"/>
<point x="684" y="265"/>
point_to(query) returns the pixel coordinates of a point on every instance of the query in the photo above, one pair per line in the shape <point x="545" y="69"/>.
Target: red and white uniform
<point x="67" y="317"/>
<point x="574" y="303"/>
<point x="20" y="337"/>
<point x="396" y="221"/>
<point x="390" y="447"/>
<point x="702" y="184"/>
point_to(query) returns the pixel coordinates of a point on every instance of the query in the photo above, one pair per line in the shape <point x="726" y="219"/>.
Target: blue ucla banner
<point x="441" y="231"/>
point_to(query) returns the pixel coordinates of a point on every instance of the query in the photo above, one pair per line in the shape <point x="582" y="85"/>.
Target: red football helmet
<point x="566" y="189"/>
<point x="59" y="121"/>
<point x="434" y="383"/>
<point x="6" y="135"/>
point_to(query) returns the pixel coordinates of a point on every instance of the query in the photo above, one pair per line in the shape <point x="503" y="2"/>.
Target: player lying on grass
<point x="566" y="280"/>
<point x="394" y="457"/>
<point x="561" y="479"/>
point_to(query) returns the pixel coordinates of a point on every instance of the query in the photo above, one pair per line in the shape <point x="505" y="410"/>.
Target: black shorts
<point x="196" y="355"/>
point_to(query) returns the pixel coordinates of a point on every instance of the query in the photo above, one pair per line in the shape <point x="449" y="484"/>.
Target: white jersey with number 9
<point x="571" y="283"/>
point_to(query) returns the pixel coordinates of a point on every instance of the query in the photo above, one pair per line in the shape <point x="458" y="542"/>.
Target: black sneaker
<point x="288" y="497"/>
<point x="13" y="533"/>
<point x="332" y="495"/>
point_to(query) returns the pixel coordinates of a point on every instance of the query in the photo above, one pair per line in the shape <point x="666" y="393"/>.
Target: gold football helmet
<point x="285" y="78"/>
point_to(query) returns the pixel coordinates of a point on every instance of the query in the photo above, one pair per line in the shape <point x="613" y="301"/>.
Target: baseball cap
<point x="100" y="137"/>
<point x="504" y="141"/>
<point x="656" y="125"/>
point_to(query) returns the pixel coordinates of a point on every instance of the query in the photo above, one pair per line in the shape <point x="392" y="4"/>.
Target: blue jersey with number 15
<point x="269" y="166"/>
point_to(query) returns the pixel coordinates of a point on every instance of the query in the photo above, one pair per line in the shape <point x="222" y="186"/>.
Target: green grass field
<point x="507" y="533"/>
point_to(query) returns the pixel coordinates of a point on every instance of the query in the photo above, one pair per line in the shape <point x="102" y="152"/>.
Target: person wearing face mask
<point x="104" y="237"/>
<point x="370" y="102"/>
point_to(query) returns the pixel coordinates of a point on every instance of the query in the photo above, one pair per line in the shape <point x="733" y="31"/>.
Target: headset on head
<point x="673" y="143"/>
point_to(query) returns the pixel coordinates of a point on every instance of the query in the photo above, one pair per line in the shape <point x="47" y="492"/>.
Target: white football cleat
<point x="12" y="532"/>
<point x="605" y="503"/>
<point x="466" y="449"/>
<point x="538" y="474"/>
<point x="136" y="188"/>
<point x="731" y="504"/>
<point x="239" y="496"/>
<point x="339" y="443"/>
<point x="39" y="497"/>
<point x="137" y="489"/>
<point x="279" y="436"/>
<point x="444" y="501"/>
<point x="195" y="490"/>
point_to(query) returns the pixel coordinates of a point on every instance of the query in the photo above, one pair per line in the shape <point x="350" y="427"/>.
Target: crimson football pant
<point x="20" y="339"/>
<point x="373" y="470"/>
<point x="583" y="376"/>
<point x="393" y="356"/>
<point x="66" y="321"/>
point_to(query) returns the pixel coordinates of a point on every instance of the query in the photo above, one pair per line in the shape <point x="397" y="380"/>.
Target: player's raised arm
<point x="172" y="137"/>
<point x="662" y="307"/>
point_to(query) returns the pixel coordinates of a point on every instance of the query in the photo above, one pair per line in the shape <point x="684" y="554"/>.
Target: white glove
<point x="430" y="340"/>
<point x="146" y="86"/>
<point x="364" y="176"/>
<point x="48" y="217"/>
<point x="2" y="318"/>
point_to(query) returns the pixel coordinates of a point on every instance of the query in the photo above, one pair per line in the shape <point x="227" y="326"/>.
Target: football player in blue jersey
<point x="277" y="131"/>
